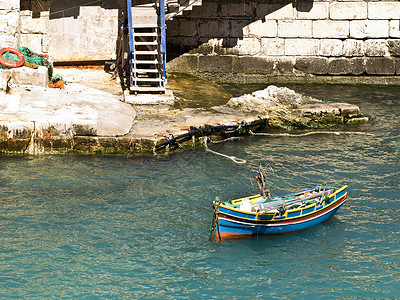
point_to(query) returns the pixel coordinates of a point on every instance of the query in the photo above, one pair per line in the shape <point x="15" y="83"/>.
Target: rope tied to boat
<point x="215" y="222"/>
<point x="233" y="158"/>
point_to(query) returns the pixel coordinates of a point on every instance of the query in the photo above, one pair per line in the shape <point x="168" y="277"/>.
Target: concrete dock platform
<point x="92" y="115"/>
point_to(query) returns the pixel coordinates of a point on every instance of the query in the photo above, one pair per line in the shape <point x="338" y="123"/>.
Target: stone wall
<point x="70" y="32"/>
<point x="9" y="23"/>
<point x="287" y="38"/>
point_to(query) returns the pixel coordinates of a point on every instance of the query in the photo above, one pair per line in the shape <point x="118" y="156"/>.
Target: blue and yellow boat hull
<point x="232" y="222"/>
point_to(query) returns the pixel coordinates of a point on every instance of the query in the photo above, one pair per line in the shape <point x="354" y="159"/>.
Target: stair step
<point x="149" y="52"/>
<point x="137" y="25"/>
<point x="146" y="70"/>
<point x="136" y="34"/>
<point x="144" y="79"/>
<point x="148" y="43"/>
<point x="146" y="62"/>
<point x="147" y="88"/>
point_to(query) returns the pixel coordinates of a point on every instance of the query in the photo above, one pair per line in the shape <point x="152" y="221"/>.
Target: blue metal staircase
<point x="147" y="51"/>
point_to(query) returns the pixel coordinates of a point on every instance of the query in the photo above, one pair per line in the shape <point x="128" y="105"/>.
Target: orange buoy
<point x="19" y="63"/>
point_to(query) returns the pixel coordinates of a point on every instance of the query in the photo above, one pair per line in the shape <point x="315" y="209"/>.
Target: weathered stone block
<point x="272" y="46"/>
<point x="348" y="10"/>
<point x="397" y="66"/>
<point x="32" y="41"/>
<point x="339" y="66"/>
<point x="274" y="11"/>
<point x="10" y="4"/>
<point x="383" y="10"/>
<point x="331" y="47"/>
<point x="318" y="11"/>
<point x="187" y="28"/>
<point x="369" y="29"/>
<point x="246" y="46"/>
<point x="215" y="64"/>
<point x="235" y="29"/>
<point x="330" y="29"/>
<point x="376" y="47"/>
<point x="252" y="65"/>
<point x="36" y="25"/>
<point x="268" y="28"/>
<point x="394" y="47"/>
<point x="380" y="66"/>
<point x="294" y="28"/>
<point x="28" y="76"/>
<point x="232" y="9"/>
<point x="306" y="47"/>
<point x="357" y="66"/>
<point x="284" y="65"/>
<point x="353" y="48"/>
<point x="312" y="65"/>
<point x="394" y="28"/>
<point x="84" y="129"/>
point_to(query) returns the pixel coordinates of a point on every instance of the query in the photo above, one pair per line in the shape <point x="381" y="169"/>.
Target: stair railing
<point x="131" y="40"/>
<point x="163" y="39"/>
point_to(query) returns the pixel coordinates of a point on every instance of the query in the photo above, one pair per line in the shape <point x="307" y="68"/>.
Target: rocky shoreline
<point x="92" y="118"/>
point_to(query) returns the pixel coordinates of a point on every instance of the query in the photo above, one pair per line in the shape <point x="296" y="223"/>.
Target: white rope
<point x="309" y="133"/>
<point x="233" y="158"/>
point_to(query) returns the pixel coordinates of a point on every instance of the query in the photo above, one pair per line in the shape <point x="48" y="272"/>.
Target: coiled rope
<point x="233" y="158"/>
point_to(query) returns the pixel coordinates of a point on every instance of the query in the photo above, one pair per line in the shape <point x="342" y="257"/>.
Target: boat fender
<point x="19" y="63"/>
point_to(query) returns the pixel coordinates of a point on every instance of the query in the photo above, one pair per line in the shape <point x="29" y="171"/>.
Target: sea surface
<point x="82" y="227"/>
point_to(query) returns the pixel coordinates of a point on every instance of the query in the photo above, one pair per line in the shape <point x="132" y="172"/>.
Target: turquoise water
<point x="75" y="227"/>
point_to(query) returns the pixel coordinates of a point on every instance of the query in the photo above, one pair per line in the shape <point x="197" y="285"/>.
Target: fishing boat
<point x="262" y="215"/>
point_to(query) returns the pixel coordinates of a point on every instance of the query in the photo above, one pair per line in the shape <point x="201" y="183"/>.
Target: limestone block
<point x="214" y="28"/>
<point x="272" y="46"/>
<point x="32" y="41"/>
<point x="394" y="47"/>
<point x="376" y="47"/>
<point x="384" y="10"/>
<point x="34" y="25"/>
<point x="253" y="65"/>
<point x="312" y="65"/>
<point x="246" y="46"/>
<point x="294" y="28"/>
<point x="394" y="28"/>
<point x="275" y="11"/>
<point x="380" y="66"/>
<point x="343" y="66"/>
<point x="318" y="11"/>
<point x="7" y="40"/>
<point x="353" y="48"/>
<point x="13" y="19"/>
<point x="10" y="4"/>
<point x="259" y="28"/>
<point x="369" y="29"/>
<point x="330" y="29"/>
<point x="28" y="76"/>
<point x="238" y="9"/>
<point x="331" y="47"/>
<point x="348" y="10"/>
<point x="304" y="47"/>
<point x="397" y="66"/>
<point x="284" y="64"/>
<point x="3" y="23"/>
<point x="187" y="28"/>
<point x="215" y="64"/>
<point x="233" y="28"/>
<point x="357" y="66"/>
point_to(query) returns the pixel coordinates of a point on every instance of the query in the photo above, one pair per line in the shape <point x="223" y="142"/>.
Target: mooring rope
<point x="233" y="158"/>
<point x="215" y="222"/>
<point x="308" y="133"/>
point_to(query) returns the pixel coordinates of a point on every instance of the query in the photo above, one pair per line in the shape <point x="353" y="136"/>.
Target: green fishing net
<point x="30" y="57"/>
